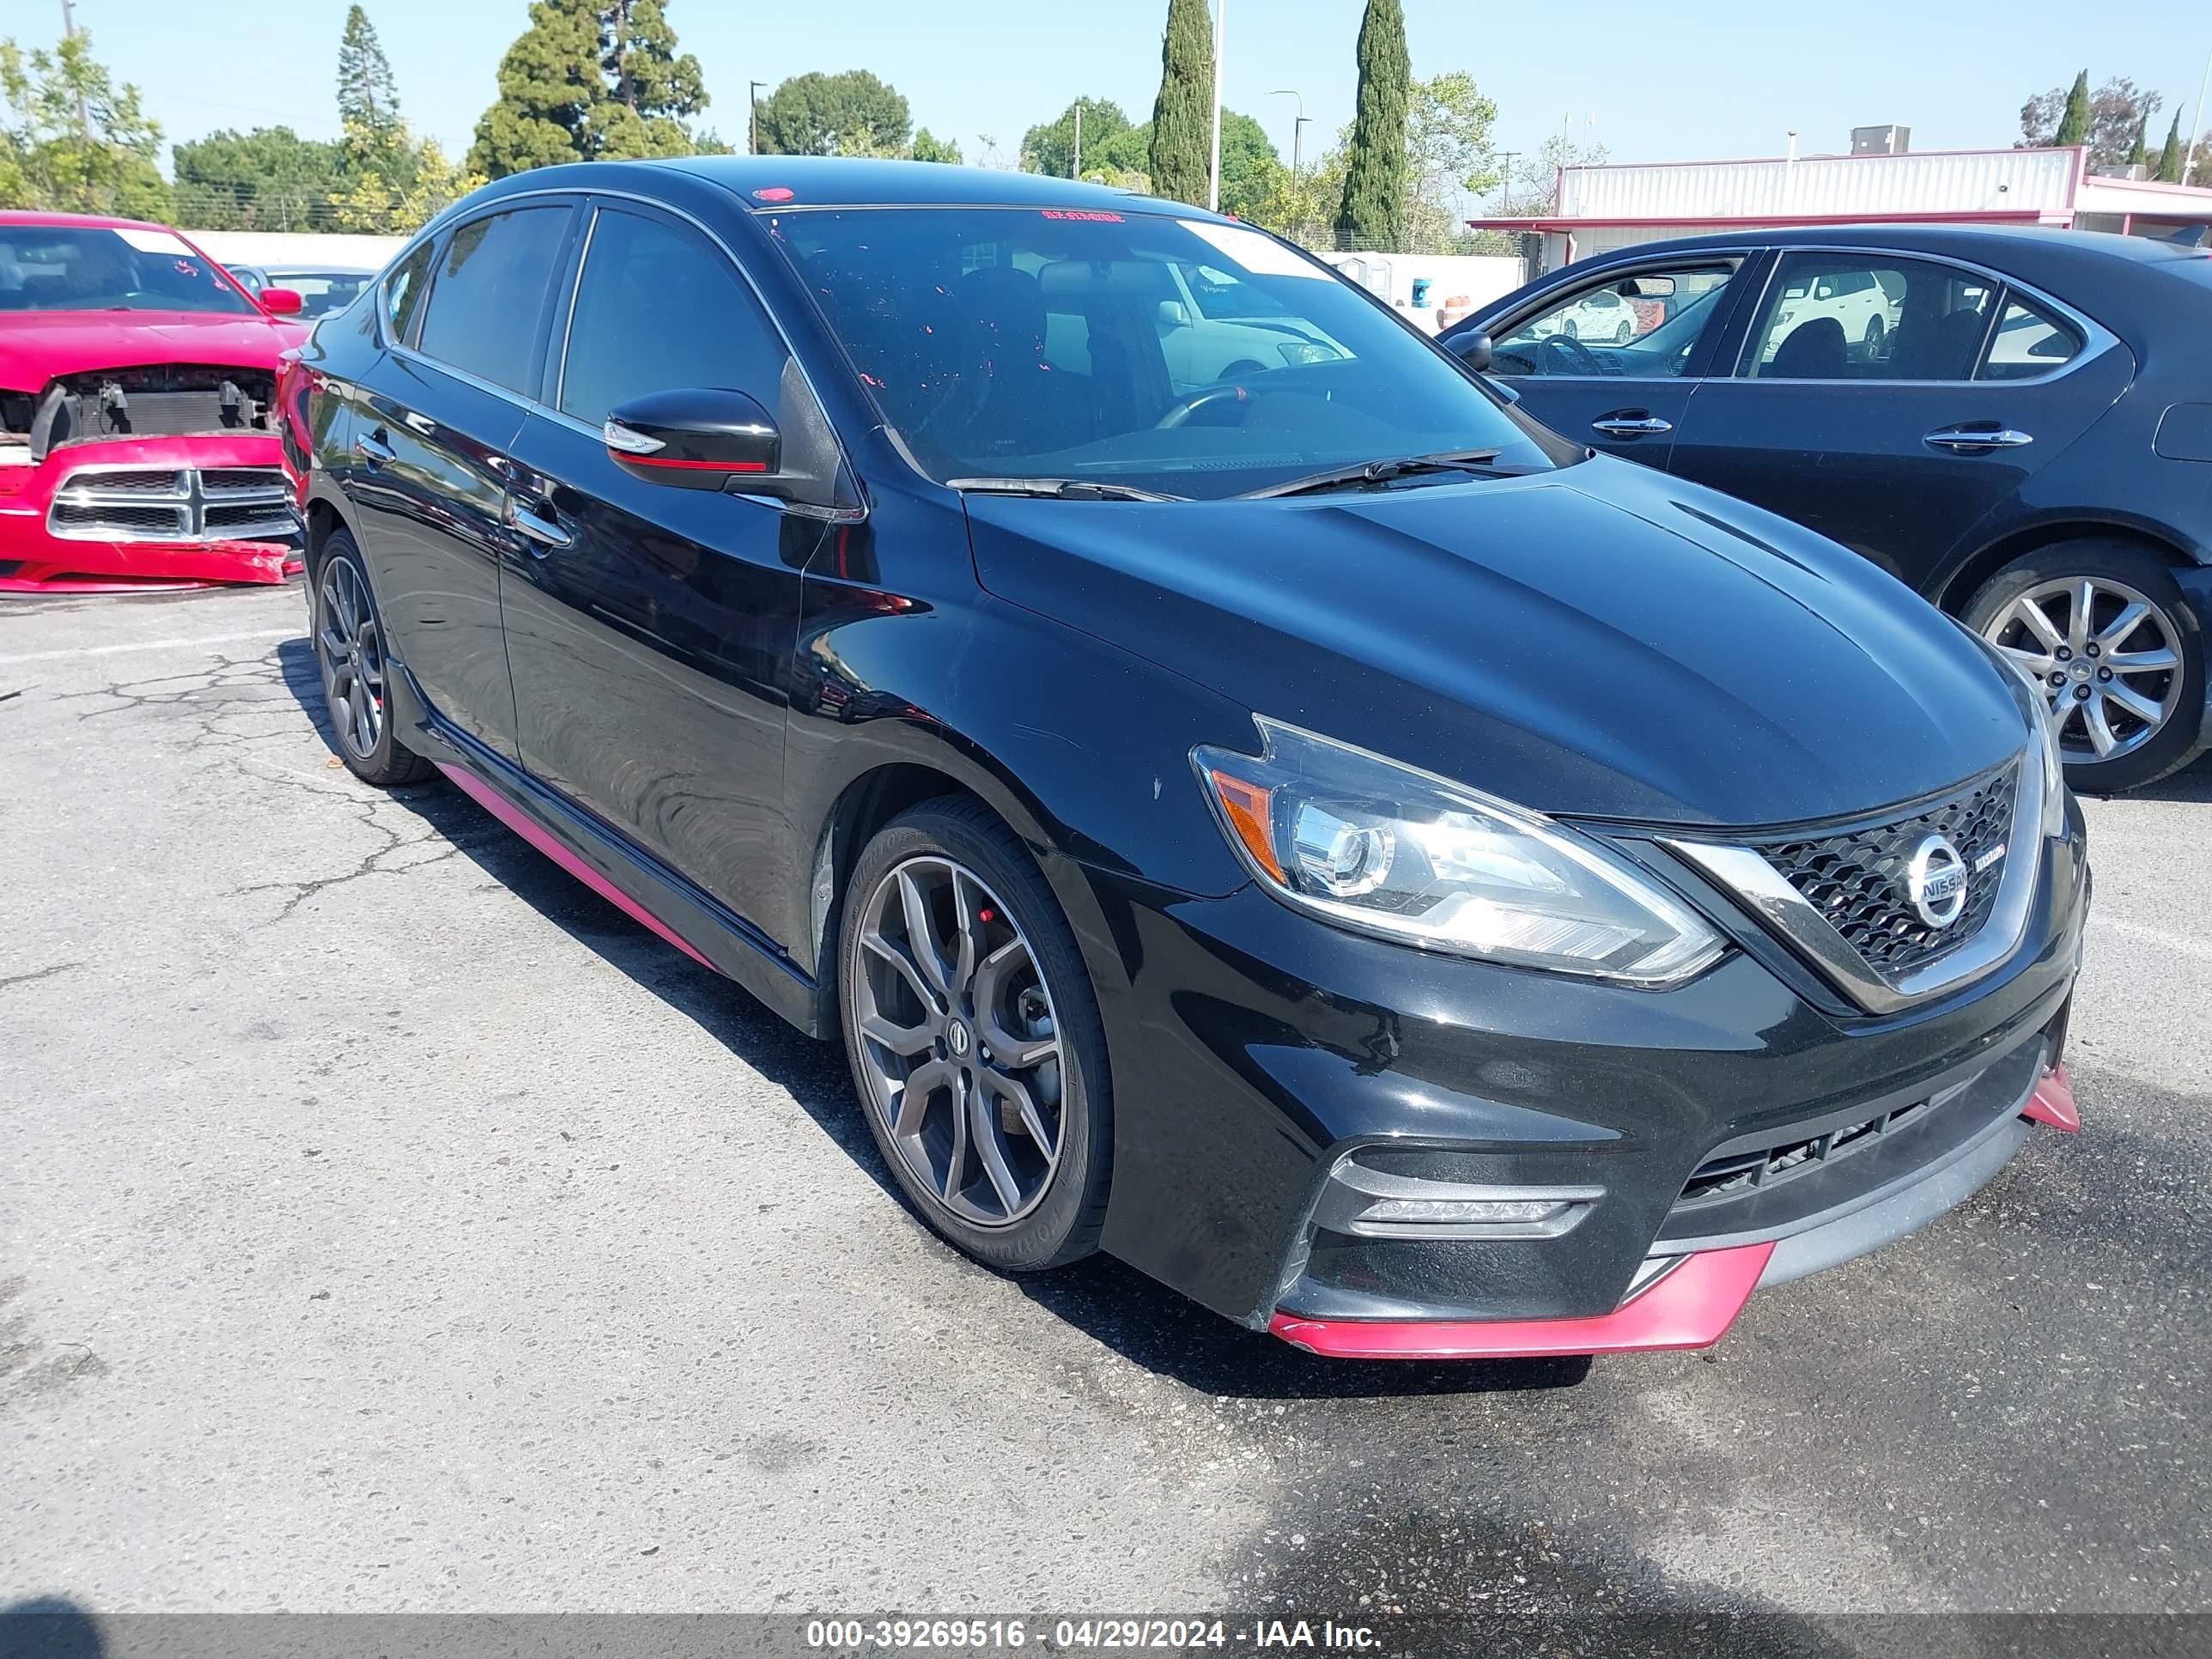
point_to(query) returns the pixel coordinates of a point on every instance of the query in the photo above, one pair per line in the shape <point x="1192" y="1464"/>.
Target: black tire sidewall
<point x="1065" y="1226"/>
<point x="2184" y="735"/>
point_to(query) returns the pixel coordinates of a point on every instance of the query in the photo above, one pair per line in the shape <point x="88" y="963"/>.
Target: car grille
<point x="1719" y="1179"/>
<point x="1856" y="880"/>
<point x="172" y="504"/>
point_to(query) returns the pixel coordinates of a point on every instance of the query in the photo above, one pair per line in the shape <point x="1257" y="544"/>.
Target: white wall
<point x="1478" y="278"/>
<point x="272" y="247"/>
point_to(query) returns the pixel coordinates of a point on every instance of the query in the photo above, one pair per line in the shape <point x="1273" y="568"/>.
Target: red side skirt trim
<point x="1688" y="1308"/>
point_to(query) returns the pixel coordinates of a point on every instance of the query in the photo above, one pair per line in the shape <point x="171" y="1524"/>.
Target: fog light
<point x="1448" y="1212"/>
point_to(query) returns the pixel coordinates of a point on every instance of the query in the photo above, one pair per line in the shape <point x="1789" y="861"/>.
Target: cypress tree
<point x="2073" y="125"/>
<point x="1183" y="115"/>
<point x="2139" y="152"/>
<point x="2169" y="159"/>
<point x="1373" y="214"/>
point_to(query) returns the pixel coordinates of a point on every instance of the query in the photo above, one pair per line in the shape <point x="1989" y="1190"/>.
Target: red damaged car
<point x="137" y="444"/>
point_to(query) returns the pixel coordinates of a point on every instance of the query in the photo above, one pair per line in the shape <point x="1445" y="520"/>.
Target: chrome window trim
<point x="591" y="196"/>
<point x="2096" y="339"/>
<point x="1798" y="923"/>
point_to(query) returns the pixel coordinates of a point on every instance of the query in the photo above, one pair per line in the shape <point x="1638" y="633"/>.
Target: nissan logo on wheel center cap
<point x="1936" y="882"/>
<point x="955" y="1038"/>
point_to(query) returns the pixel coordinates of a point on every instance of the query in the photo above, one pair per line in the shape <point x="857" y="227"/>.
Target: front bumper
<point x="33" y="560"/>
<point x="1256" y="1054"/>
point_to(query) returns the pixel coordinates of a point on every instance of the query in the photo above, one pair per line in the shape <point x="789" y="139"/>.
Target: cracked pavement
<point x="387" y="1222"/>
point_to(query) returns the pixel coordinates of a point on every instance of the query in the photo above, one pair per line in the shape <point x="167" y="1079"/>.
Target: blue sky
<point x="1662" y="82"/>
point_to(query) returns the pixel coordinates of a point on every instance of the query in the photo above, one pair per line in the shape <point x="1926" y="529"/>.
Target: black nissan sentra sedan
<point x="1247" y="799"/>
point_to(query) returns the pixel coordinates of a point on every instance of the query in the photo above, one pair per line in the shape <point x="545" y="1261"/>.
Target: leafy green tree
<point x="585" y="82"/>
<point x="2139" y="152"/>
<point x="2169" y="159"/>
<point x="1049" y="147"/>
<point x="270" y="179"/>
<point x="1448" y="155"/>
<point x="928" y="147"/>
<point x="369" y="94"/>
<point x="48" y="158"/>
<point x="2074" y="121"/>
<point x="1251" y="173"/>
<point x="1182" y="159"/>
<point x="854" y="113"/>
<point x="1373" y="213"/>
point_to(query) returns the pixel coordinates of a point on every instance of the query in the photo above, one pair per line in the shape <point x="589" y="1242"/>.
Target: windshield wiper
<point x="1063" y="490"/>
<point x="1380" y="472"/>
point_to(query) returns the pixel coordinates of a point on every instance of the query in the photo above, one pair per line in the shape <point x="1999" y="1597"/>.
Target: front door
<point x="1891" y="403"/>
<point x="1612" y="362"/>
<point x="430" y="452"/>
<point x="650" y="627"/>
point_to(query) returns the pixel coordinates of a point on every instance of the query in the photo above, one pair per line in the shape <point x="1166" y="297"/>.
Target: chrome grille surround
<point x="1892" y="980"/>
<point x="172" y="504"/>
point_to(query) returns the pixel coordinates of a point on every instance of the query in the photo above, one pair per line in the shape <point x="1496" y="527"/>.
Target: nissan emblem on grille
<point x="1936" y="882"/>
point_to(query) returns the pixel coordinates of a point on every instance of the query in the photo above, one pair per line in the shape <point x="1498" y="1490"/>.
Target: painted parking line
<point x="2199" y="949"/>
<point x="204" y="642"/>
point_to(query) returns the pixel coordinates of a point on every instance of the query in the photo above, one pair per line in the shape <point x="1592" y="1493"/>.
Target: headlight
<point x="1307" y="351"/>
<point x="1370" y="844"/>
<point x="2035" y="708"/>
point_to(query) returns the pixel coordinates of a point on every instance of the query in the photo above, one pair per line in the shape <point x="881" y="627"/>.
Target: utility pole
<point x="752" y="113"/>
<point x="2197" y="127"/>
<point x="1220" y="43"/>
<point x="1077" y="171"/>
<point x="68" y="32"/>
<point x="1298" y="127"/>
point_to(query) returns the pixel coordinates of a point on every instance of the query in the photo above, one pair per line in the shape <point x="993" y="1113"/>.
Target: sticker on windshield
<point x="1260" y="255"/>
<point x="154" y="242"/>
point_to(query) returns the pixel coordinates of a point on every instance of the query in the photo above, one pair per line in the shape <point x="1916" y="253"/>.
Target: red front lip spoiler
<point x="1691" y="1307"/>
<point x="1688" y="1308"/>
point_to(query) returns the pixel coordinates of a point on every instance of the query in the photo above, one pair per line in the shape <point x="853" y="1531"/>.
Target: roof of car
<point x="92" y="220"/>
<point x="1967" y="241"/>
<point x="838" y="181"/>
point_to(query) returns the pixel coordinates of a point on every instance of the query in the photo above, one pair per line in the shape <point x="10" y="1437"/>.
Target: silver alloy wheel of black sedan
<point x="959" y="1046"/>
<point x="2108" y="659"/>
<point x="351" y="655"/>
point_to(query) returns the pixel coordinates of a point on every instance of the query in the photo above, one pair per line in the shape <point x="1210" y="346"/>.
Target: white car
<point x="1218" y="328"/>
<point x="1600" y="315"/>
<point x="1857" y="299"/>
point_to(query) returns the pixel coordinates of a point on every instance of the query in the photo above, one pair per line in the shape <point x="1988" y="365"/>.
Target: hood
<point x="1601" y="641"/>
<point x="37" y="346"/>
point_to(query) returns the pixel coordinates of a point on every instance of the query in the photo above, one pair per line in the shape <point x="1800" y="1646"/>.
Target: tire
<point x="1876" y="331"/>
<point x="2120" y="575"/>
<point x="1622" y="334"/>
<point x="1573" y="330"/>
<point x="954" y="849"/>
<point x="348" y="638"/>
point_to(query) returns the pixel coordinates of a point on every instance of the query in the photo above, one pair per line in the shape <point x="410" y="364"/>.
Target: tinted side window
<point x="658" y="308"/>
<point x="403" y="291"/>
<point x="2029" y="342"/>
<point x="1644" y="327"/>
<point x="488" y="294"/>
<point x="1869" y="317"/>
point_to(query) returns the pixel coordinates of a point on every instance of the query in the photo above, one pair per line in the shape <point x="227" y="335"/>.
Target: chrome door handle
<point x="536" y="525"/>
<point x="372" y="448"/>
<point x="1642" y="426"/>
<point x="1952" y="437"/>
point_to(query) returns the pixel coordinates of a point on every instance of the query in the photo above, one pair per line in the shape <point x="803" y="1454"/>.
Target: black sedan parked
<point x="1406" y="883"/>
<point x="2018" y="422"/>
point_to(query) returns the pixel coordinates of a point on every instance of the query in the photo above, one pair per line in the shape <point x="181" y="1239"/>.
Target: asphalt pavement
<point x="386" y="1223"/>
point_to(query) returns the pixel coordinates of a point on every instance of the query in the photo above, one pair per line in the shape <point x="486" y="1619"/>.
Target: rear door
<point x="430" y="444"/>
<point x="650" y="627"/>
<point x="1613" y="362"/>
<point x="1890" y="401"/>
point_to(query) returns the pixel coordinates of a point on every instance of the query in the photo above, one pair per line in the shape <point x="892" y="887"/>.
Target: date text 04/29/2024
<point x="1092" y="1635"/>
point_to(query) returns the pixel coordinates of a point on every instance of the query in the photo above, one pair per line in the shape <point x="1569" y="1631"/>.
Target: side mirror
<point x="281" y="302"/>
<point x="704" y="438"/>
<point x="1470" y="346"/>
<point x="1173" y="315"/>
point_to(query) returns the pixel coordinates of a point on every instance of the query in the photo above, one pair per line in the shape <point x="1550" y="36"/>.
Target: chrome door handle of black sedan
<point x="1971" y="438"/>
<point x="536" y="523"/>
<point x="1633" y="425"/>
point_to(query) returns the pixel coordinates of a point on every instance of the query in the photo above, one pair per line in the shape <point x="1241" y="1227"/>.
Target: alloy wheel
<point x="2108" y="659"/>
<point x="352" y="657"/>
<point x="959" y="1044"/>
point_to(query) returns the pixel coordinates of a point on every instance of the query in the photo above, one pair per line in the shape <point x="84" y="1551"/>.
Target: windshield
<point x="322" y="292"/>
<point x="90" y="268"/>
<point x="1175" y="355"/>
